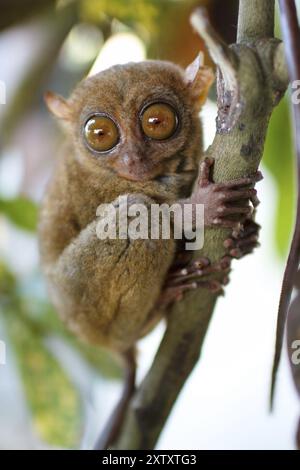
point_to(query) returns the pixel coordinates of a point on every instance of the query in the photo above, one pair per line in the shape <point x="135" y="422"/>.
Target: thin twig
<point x="219" y="51"/>
<point x="227" y="64"/>
<point x="256" y="20"/>
<point x="291" y="36"/>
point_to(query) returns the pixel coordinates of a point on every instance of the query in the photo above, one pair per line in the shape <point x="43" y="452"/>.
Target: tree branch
<point x="280" y="66"/>
<point x="237" y="150"/>
<point x="256" y="20"/>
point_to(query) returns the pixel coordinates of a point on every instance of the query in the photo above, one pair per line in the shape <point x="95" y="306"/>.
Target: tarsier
<point x="133" y="130"/>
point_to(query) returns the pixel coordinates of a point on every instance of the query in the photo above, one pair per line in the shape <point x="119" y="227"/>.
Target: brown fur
<point x="106" y="289"/>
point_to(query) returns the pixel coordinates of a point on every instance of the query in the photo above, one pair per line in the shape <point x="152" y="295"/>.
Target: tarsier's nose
<point x="133" y="166"/>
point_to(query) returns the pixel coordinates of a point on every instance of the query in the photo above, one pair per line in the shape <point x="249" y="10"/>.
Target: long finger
<point x="239" y="194"/>
<point x="249" y="228"/>
<point x="227" y="210"/>
<point x="204" y="172"/>
<point x="240" y="243"/>
<point x="226" y="223"/>
<point x="242" y="251"/>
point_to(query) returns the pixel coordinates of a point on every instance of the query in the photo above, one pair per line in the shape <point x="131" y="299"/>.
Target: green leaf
<point x="52" y="399"/>
<point x="279" y="158"/>
<point x="130" y="12"/>
<point x="8" y="283"/>
<point x="20" y="211"/>
<point x="48" y="323"/>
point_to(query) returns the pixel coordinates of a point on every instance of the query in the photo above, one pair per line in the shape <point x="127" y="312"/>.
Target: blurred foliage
<point x="55" y="30"/>
<point x="53" y="399"/>
<point x="174" y="39"/>
<point x="279" y="158"/>
<point x="15" y="11"/>
<point x="131" y="12"/>
<point x="163" y="25"/>
<point x="21" y="211"/>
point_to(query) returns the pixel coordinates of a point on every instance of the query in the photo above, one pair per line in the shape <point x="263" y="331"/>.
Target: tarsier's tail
<point x="114" y="424"/>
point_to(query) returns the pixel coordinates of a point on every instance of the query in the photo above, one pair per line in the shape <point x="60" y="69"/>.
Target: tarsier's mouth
<point x="140" y="175"/>
<point x="137" y="177"/>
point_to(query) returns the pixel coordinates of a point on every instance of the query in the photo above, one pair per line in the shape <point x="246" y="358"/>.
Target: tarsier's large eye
<point x="101" y="133"/>
<point x="159" y="121"/>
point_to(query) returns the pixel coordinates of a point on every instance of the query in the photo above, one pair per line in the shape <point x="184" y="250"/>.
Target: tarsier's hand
<point x="225" y="204"/>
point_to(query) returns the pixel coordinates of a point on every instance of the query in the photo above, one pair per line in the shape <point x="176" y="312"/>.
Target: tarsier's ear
<point x="58" y="106"/>
<point x="199" y="78"/>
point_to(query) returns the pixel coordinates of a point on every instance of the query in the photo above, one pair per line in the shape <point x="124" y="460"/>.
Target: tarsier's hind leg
<point x="115" y="421"/>
<point x="186" y="275"/>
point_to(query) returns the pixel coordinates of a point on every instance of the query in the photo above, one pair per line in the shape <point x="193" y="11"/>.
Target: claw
<point x="236" y="253"/>
<point x="229" y="243"/>
<point x="243" y="241"/>
<point x="216" y="287"/>
<point x="201" y="263"/>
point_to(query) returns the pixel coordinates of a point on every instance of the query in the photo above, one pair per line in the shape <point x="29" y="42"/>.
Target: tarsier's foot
<point x="191" y="277"/>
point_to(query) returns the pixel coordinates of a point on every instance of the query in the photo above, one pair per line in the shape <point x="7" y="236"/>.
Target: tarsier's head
<point x="139" y="120"/>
